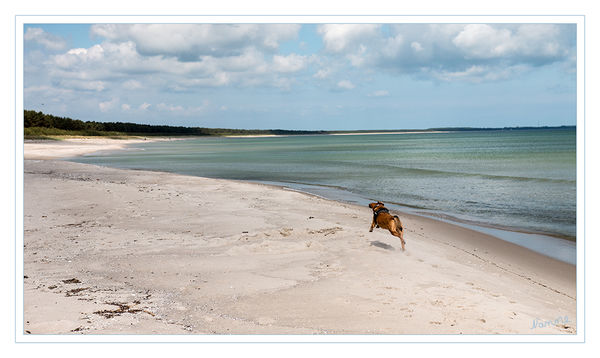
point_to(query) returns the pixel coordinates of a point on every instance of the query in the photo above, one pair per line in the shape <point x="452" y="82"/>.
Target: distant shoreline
<point x="38" y="125"/>
<point x="337" y="134"/>
<point x="395" y="132"/>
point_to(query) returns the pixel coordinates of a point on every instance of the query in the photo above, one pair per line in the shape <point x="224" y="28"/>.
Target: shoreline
<point x="511" y="235"/>
<point x="417" y="211"/>
<point x="290" y="263"/>
<point x="540" y="242"/>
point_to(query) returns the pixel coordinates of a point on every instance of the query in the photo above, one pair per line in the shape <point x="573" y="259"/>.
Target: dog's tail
<point x="398" y="223"/>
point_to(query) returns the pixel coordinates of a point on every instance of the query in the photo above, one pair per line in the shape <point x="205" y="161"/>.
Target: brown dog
<point x="383" y="219"/>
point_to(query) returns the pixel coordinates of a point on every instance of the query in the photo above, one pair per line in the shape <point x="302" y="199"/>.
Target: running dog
<point x="383" y="219"/>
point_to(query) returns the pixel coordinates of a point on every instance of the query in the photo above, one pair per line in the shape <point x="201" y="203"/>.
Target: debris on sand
<point x="122" y="308"/>
<point x="72" y="280"/>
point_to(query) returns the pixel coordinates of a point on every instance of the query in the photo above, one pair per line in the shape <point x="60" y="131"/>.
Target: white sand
<point x="72" y="147"/>
<point x="171" y="254"/>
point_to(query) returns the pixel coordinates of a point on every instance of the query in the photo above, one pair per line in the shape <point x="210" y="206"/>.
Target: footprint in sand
<point x="285" y="232"/>
<point x="326" y="231"/>
<point x="437" y="303"/>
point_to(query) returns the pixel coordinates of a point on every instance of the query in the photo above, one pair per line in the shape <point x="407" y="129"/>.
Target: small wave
<point x="447" y="173"/>
<point x="487" y="224"/>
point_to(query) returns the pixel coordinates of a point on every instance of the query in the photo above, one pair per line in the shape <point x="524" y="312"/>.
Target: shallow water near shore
<point x="514" y="180"/>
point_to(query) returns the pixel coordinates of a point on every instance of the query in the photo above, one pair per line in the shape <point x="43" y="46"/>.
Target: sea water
<point x="519" y="180"/>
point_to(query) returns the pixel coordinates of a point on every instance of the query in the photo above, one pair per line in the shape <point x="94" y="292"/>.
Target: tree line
<point x="41" y="124"/>
<point x="33" y="119"/>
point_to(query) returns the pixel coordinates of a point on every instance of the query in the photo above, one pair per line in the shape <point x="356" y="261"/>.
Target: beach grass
<point x="58" y="134"/>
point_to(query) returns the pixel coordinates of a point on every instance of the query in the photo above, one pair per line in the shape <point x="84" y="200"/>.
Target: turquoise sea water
<point x="522" y="180"/>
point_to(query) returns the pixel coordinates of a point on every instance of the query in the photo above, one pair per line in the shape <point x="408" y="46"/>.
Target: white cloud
<point x="184" y="84"/>
<point x="323" y="73"/>
<point x="392" y="46"/>
<point x="188" y="42"/>
<point x="102" y="61"/>
<point x="132" y="85"/>
<point x="80" y="55"/>
<point x="184" y="110"/>
<point x="249" y="59"/>
<point x="416" y="46"/>
<point x="359" y="57"/>
<point x="49" y="41"/>
<point x="144" y="106"/>
<point x="345" y="84"/>
<point x="479" y="73"/>
<point x="121" y="62"/>
<point x="523" y="43"/>
<point x="169" y="107"/>
<point x="484" y="41"/>
<point x="125" y="107"/>
<point x="84" y="85"/>
<point x="451" y="51"/>
<point x="344" y="37"/>
<point x="289" y="63"/>
<point x="108" y="105"/>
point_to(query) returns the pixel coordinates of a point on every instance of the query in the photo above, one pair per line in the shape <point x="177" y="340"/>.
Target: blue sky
<point x="304" y="76"/>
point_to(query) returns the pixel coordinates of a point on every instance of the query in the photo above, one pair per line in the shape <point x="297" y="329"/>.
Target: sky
<point x="304" y="76"/>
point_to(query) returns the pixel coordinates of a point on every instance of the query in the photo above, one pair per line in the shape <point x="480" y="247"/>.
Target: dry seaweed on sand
<point x="122" y="308"/>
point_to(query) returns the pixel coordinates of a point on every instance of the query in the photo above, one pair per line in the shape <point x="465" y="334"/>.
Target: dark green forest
<point x="40" y="124"/>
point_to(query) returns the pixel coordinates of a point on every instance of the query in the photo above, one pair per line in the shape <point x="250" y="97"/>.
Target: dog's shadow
<point x="382" y="245"/>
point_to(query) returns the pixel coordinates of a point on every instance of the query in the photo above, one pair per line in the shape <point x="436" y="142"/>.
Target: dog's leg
<point x="402" y="242"/>
<point x="372" y="225"/>
<point x="399" y="235"/>
<point x="400" y="231"/>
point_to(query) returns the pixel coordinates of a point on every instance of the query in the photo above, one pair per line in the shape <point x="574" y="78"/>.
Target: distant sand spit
<point x="72" y="147"/>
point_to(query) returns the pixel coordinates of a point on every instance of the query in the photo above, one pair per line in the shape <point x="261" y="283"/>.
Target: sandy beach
<point x="72" y="147"/>
<point x="109" y="251"/>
